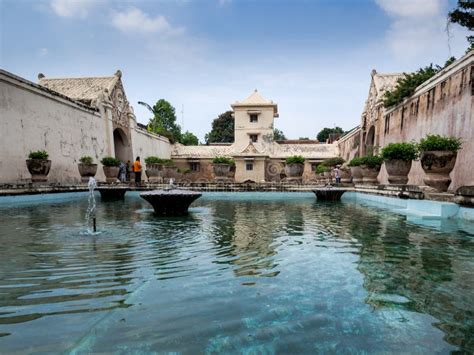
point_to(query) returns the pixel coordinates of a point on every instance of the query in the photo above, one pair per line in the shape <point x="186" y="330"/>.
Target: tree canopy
<point x="323" y="135"/>
<point x="407" y="84"/>
<point x="278" y="135"/>
<point x="164" y="121"/>
<point x="222" y="129"/>
<point x="188" y="138"/>
<point x="463" y="15"/>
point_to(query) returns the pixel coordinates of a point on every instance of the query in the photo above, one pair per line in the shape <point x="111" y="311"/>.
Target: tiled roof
<point x="83" y="89"/>
<point x="255" y="99"/>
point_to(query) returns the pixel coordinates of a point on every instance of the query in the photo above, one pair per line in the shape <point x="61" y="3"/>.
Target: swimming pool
<point x="244" y="272"/>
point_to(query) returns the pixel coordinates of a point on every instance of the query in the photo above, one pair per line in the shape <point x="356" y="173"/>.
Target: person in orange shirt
<point x="137" y="169"/>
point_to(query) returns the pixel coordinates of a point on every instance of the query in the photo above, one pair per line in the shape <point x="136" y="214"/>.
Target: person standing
<point x="122" y="172"/>
<point x="137" y="169"/>
<point x="337" y="173"/>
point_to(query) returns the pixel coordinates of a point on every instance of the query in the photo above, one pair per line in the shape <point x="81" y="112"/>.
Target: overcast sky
<point x="311" y="57"/>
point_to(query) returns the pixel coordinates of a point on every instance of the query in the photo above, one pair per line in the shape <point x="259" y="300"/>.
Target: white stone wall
<point x="147" y="144"/>
<point x="33" y="119"/>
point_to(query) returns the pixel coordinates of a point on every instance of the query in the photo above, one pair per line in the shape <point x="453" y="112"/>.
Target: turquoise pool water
<point x="250" y="273"/>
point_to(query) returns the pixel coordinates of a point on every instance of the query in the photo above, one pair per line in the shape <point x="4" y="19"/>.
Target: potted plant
<point x="438" y="156"/>
<point x="111" y="168"/>
<point x="294" y="166"/>
<point x="170" y="170"/>
<point x="222" y="167"/>
<point x="154" y="168"/>
<point x="398" y="158"/>
<point x="86" y="168"/>
<point x="356" y="171"/>
<point x="38" y="165"/>
<point x="322" y="171"/>
<point x="370" y="167"/>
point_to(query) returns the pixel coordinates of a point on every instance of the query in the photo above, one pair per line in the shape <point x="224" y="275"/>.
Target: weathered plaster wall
<point x="442" y="106"/>
<point x="263" y="127"/>
<point x="145" y="144"/>
<point x="256" y="175"/>
<point x="33" y="119"/>
<point x="349" y="145"/>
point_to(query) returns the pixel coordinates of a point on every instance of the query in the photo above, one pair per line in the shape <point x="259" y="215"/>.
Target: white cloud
<point x="418" y="30"/>
<point x="133" y="20"/>
<point x="73" y="8"/>
<point x="43" y="52"/>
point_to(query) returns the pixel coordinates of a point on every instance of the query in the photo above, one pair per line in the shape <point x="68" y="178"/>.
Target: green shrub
<point x="153" y="160"/>
<point x="333" y="161"/>
<point x="187" y="171"/>
<point x="223" y="160"/>
<point x="437" y="142"/>
<point x="321" y="169"/>
<point x="372" y="161"/>
<point x="401" y="151"/>
<point x="355" y="162"/>
<point x="86" y="159"/>
<point x="110" y="161"/>
<point x="38" y="154"/>
<point x="167" y="162"/>
<point x="295" y="159"/>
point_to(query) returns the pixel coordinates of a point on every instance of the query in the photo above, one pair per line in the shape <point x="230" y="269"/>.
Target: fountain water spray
<point x="92" y="184"/>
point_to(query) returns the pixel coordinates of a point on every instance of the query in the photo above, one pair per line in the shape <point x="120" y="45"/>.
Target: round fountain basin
<point x="170" y="202"/>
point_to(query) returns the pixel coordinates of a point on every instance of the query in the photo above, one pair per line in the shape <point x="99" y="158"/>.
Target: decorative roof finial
<point x="118" y="73"/>
<point x="40" y="76"/>
<point x="255" y="90"/>
<point x="373" y="72"/>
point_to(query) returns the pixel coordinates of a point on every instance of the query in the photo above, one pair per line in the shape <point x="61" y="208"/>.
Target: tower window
<point x="253" y="117"/>
<point x="254" y="138"/>
<point x="249" y="166"/>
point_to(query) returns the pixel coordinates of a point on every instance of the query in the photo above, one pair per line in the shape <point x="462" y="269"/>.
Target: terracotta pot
<point x="437" y="165"/>
<point x="87" y="171"/>
<point x="221" y="170"/>
<point x="154" y="172"/>
<point x="111" y="173"/>
<point x="369" y="175"/>
<point x="397" y="171"/>
<point x="39" y="169"/>
<point x="294" y="170"/>
<point x="356" y="173"/>
<point x="345" y="174"/>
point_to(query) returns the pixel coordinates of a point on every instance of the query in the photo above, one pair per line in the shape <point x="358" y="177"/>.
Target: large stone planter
<point x="87" y="171"/>
<point x="356" y="173"/>
<point x="328" y="176"/>
<point x="111" y="173"/>
<point x="397" y="171"/>
<point x="221" y="171"/>
<point x="154" y="172"/>
<point x="437" y="165"/>
<point x="39" y="169"/>
<point x="170" y="172"/>
<point x="369" y="175"/>
<point x="294" y="171"/>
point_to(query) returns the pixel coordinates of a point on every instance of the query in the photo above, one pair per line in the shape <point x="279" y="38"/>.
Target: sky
<point x="312" y="57"/>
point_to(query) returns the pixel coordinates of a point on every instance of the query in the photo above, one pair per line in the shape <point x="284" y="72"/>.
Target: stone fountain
<point x="170" y="201"/>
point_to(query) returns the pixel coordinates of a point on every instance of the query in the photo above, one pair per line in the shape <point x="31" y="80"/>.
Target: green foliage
<point x="278" y="135"/>
<point x="323" y="135"/>
<point x="189" y="138"/>
<point x="436" y="142"/>
<point x="110" y="161"/>
<point x="187" y="171"/>
<point x="222" y="129"/>
<point x="321" y="169"/>
<point x="400" y="151"/>
<point x="407" y="84"/>
<point x="333" y="161"/>
<point x="153" y="160"/>
<point x="464" y="15"/>
<point x="355" y="162"/>
<point x="86" y="159"/>
<point x="168" y="162"/>
<point x="372" y="161"/>
<point x="38" y="154"/>
<point x="223" y="160"/>
<point x="164" y="121"/>
<point x="303" y="138"/>
<point x="295" y="159"/>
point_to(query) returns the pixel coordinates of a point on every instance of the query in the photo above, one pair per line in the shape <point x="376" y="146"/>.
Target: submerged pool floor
<point x="243" y="273"/>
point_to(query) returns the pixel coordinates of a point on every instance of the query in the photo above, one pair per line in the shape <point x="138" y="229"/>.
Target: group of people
<point x="124" y="171"/>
